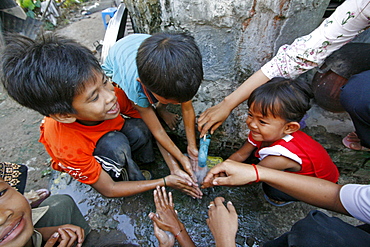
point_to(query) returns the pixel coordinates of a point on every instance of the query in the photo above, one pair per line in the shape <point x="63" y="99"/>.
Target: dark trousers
<point x="62" y="210"/>
<point x="355" y="98"/>
<point x="276" y="194"/>
<point x="318" y="229"/>
<point x="117" y="150"/>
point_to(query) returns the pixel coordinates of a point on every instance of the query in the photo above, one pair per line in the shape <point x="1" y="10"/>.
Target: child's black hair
<point x="46" y="74"/>
<point x="170" y="65"/>
<point x="284" y="98"/>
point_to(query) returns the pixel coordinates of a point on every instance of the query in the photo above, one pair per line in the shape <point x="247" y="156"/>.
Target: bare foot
<point x="352" y="141"/>
<point x="169" y="118"/>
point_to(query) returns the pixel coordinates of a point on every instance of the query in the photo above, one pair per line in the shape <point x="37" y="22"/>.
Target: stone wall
<point x="236" y="38"/>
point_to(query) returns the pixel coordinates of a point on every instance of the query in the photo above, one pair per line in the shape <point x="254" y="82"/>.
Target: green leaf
<point x="31" y="14"/>
<point x="38" y="4"/>
<point x="28" y="4"/>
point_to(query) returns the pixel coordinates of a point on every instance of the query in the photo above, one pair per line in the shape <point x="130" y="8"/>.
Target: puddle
<point x="125" y="220"/>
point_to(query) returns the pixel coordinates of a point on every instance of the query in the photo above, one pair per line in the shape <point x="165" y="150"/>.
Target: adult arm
<point x="109" y="188"/>
<point x="312" y="190"/>
<point x="303" y="54"/>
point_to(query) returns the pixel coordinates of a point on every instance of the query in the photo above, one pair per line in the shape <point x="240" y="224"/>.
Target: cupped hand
<point x="186" y="164"/>
<point x="165" y="239"/>
<point x="179" y="183"/>
<point x="229" y="173"/>
<point x="223" y="222"/>
<point x="212" y="118"/>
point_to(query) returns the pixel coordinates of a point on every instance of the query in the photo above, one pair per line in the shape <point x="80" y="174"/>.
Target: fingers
<point x="231" y="207"/>
<point x="67" y="237"/>
<point x="213" y="173"/>
<point x="52" y="240"/>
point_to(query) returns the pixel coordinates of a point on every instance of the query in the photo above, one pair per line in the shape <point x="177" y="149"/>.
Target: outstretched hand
<point x="223" y="222"/>
<point x="230" y="173"/>
<point x="165" y="217"/>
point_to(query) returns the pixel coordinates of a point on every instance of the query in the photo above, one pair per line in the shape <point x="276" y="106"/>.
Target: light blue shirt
<point x="120" y="65"/>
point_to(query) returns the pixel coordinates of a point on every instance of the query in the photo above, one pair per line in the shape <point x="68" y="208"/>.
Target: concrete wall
<point x="236" y="38"/>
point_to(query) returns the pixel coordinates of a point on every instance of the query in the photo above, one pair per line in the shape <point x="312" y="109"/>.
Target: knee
<point x="111" y="141"/>
<point x="59" y="201"/>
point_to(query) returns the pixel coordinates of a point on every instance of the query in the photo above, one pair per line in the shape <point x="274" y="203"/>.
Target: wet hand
<point x="212" y="118"/>
<point x="182" y="184"/>
<point x="223" y="222"/>
<point x="186" y="164"/>
<point x="166" y="216"/>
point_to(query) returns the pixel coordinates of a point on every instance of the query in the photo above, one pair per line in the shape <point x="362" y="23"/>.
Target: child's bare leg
<point x="169" y="118"/>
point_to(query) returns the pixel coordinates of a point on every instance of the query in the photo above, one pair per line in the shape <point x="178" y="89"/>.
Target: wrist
<point x="228" y="103"/>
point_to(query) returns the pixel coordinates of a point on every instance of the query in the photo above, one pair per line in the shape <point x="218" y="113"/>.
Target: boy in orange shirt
<point x="83" y="131"/>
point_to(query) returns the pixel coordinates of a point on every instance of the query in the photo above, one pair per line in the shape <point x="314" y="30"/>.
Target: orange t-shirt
<point x="71" y="146"/>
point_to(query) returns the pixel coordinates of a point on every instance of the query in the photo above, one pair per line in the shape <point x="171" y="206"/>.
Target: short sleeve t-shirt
<point x="71" y="146"/>
<point x="304" y="150"/>
<point x="120" y="65"/>
<point x="356" y="200"/>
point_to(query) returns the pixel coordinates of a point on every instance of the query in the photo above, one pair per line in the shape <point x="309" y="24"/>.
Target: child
<point x="163" y="68"/>
<point x="59" y="220"/>
<point x="275" y="110"/>
<point x="83" y="131"/>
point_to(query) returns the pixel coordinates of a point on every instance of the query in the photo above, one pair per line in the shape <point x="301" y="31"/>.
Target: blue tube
<point x="203" y="150"/>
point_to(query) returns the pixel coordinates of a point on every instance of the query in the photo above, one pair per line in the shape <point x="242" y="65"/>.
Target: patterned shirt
<point x="307" y="52"/>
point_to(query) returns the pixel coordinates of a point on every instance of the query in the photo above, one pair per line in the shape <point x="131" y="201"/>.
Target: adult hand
<point x="223" y="222"/>
<point x="67" y="235"/>
<point x="182" y="184"/>
<point x="230" y="173"/>
<point x="212" y="118"/>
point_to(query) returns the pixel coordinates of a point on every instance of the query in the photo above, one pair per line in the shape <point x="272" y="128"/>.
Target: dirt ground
<point x="19" y="126"/>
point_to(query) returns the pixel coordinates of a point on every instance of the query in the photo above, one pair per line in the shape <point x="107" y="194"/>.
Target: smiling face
<point x="266" y="128"/>
<point x="16" y="226"/>
<point x="97" y="102"/>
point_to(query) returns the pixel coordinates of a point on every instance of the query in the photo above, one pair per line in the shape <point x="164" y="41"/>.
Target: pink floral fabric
<point x="307" y="52"/>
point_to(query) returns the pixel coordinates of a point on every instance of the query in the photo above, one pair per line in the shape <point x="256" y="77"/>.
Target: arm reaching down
<point x="312" y="190"/>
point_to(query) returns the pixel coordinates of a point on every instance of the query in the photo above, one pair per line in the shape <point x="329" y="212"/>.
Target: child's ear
<point x="63" y="117"/>
<point x="292" y="127"/>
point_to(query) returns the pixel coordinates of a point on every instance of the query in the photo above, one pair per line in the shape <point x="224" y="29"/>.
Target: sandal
<point x="352" y="141"/>
<point x="276" y="202"/>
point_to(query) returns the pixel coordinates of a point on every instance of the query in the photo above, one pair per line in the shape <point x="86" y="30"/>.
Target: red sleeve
<point x="125" y="104"/>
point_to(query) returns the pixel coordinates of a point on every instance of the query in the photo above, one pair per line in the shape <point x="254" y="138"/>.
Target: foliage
<point x="30" y="6"/>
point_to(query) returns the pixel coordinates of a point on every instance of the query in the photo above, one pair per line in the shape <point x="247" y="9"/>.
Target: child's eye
<point x="95" y="98"/>
<point x="262" y="122"/>
<point x="2" y="192"/>
<point x="249" y="115"/>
